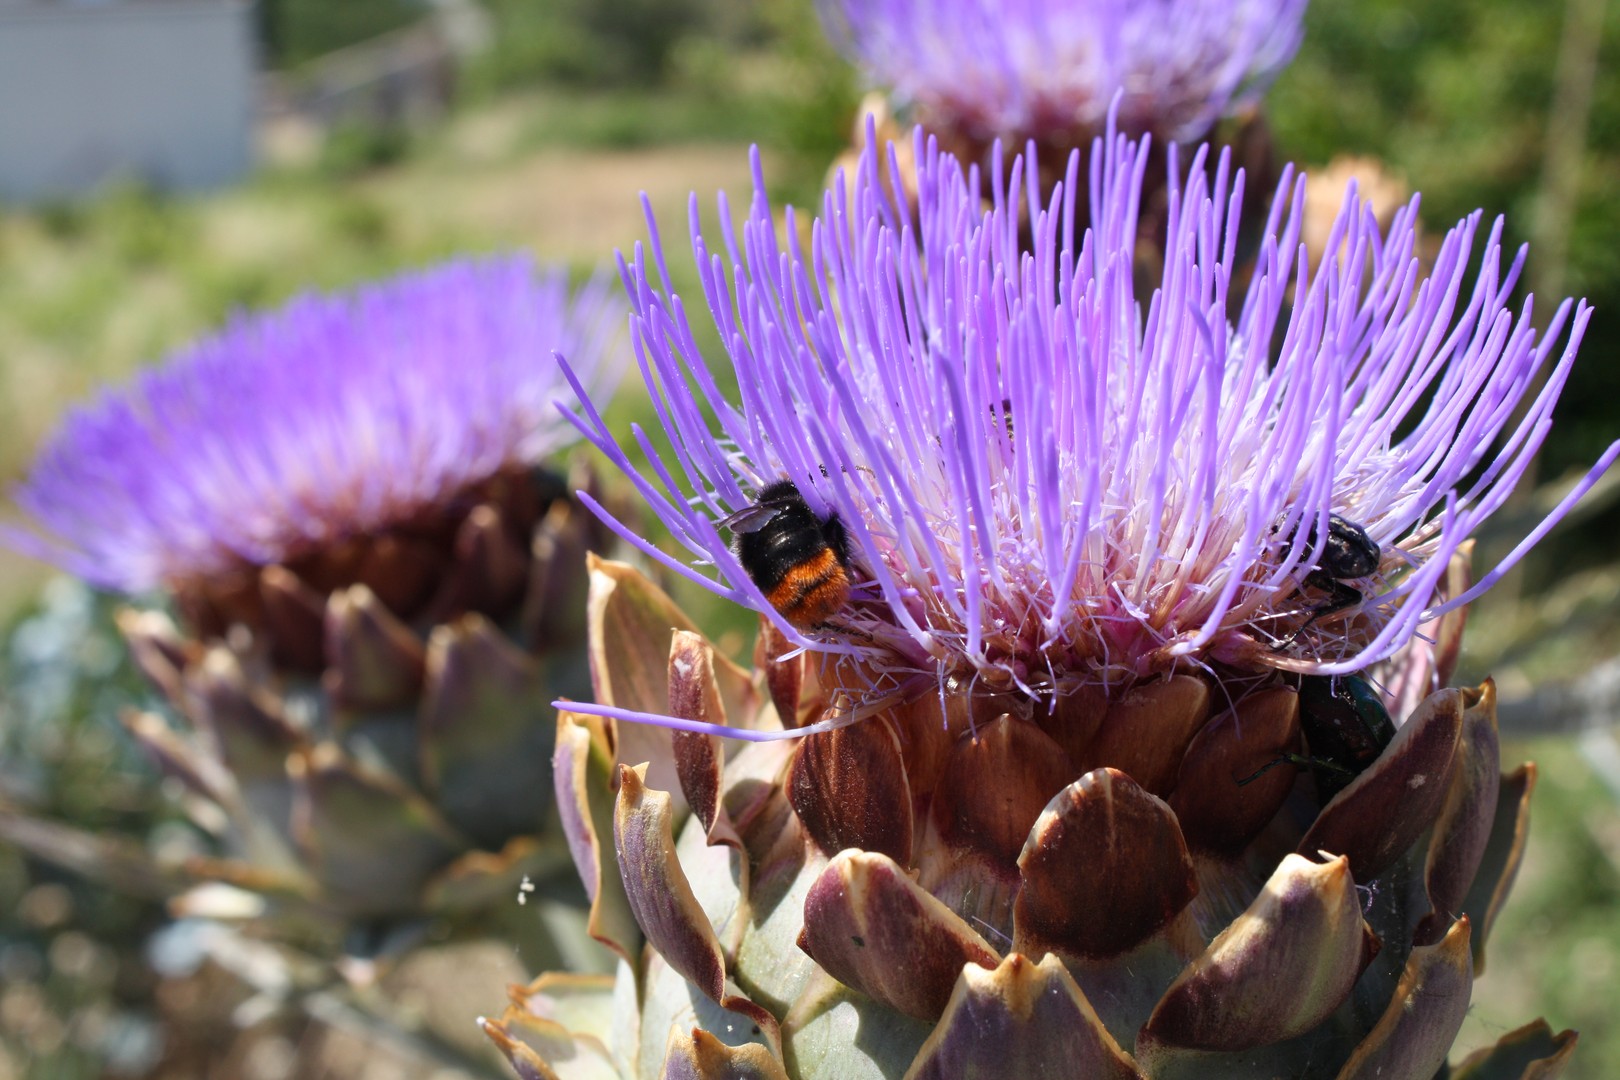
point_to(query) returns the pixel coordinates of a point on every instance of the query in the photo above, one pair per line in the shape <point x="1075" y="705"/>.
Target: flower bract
<point x="1138" y="886"/>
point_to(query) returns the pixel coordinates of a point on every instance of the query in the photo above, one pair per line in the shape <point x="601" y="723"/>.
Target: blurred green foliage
<point x="596" y="43"/>
<point x="64" y="669"/>
<point x="642" y="72"/>
<point x="1456" y="95"/>
<point x="353" y="148"/>
<point x="293" y="31"/>
<point x="1555" y="951"/>
<point x="76" y="996"/>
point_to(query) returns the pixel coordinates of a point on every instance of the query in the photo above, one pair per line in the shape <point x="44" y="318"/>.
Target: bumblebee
<point x="799" y="561"/>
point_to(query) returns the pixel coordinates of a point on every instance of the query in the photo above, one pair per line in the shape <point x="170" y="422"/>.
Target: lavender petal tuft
<point x="1053" y="478"/>
<point x="334" y="416"/>
<point x="989" y="68"/>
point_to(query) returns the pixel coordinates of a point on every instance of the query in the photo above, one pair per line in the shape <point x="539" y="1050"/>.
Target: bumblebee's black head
<point x="792" y="536"/>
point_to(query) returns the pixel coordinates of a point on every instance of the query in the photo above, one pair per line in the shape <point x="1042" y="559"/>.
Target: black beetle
<point x="1345" y="726"/>
<point x="1349" y="553"/>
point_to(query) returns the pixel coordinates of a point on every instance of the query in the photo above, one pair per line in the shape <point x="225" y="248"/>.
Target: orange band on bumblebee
<point x="812" y="592"/>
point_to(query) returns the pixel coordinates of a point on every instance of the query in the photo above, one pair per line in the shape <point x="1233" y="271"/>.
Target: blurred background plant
<point x="542" y="138"/>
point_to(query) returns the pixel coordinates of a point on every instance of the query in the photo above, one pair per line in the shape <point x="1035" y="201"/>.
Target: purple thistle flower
<point x="1050" y="480"/>
<point x="1023" y="69"/>
<point x="333" y="417"/>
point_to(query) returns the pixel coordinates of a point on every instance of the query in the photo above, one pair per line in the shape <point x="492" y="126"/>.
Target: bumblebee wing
<point x="749" y="519"/>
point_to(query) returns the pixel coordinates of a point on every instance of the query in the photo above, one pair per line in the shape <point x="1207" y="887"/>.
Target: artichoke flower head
<point x="1059" y="73"/>
<point x="367" y="576"/>
<point x="1131" y="751"/>
<point x="1049" y="70"/>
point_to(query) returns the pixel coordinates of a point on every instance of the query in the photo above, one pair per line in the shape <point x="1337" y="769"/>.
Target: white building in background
<point x="160" y="91"/>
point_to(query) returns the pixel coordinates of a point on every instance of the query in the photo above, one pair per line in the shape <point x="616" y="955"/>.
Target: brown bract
<point x="1120" y="887"/>
<point x="469" y="552"/>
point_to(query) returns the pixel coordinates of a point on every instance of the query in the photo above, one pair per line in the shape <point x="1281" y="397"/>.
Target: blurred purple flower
<point x="1050" y="480"/>
<point x="333" y="417"/>
<point x="1028" y="67"/>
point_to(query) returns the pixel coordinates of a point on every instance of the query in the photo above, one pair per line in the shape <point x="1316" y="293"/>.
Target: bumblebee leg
<point x="840" y="628"/>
